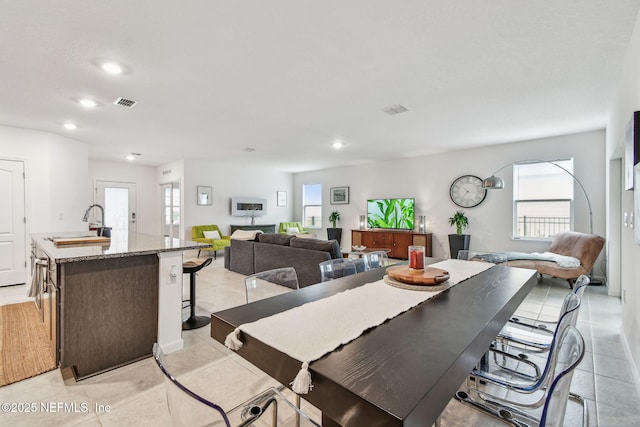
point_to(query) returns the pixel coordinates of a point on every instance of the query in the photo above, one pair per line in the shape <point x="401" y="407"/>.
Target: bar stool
<point x="191" y="268"/>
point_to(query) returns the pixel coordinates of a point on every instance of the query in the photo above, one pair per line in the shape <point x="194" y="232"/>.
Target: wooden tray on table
<point x="430" y="276"/>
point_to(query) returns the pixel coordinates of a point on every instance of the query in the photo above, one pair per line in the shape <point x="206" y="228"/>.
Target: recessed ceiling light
<point x="133" y="156"/>
<point x="88" y="103"/>
<point x="337" y="145"/>
<point x="111" y="67"/>
<point x="248" y="149"/>
<point x="70" y="126"/>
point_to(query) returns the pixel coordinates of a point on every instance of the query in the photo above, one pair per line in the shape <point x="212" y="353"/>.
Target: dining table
<point x="402" y="372"/>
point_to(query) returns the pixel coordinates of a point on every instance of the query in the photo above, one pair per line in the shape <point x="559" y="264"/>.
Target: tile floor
<point x="136" y="394"/>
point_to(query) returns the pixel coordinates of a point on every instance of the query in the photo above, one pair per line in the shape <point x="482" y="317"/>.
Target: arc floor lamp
<point x="496" y="183"/>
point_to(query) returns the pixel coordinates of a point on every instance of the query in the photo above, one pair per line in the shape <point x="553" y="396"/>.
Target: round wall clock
<point x="467" y="192"/>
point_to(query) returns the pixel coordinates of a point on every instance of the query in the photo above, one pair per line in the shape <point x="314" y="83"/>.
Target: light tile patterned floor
<point x="136" y="394"/>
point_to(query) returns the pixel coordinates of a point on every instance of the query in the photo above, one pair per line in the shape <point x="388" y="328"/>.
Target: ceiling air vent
<point x="125" y="102"/>
<point x="395" y="109"/>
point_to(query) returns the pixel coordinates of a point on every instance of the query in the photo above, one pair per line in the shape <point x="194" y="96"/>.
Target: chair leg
<point x="570" y="283"/>
<point x="215" y="255"/>
<point x="198" y="254"/>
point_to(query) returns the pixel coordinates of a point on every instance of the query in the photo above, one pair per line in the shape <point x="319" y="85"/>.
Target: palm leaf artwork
<point x="391" y="213"/>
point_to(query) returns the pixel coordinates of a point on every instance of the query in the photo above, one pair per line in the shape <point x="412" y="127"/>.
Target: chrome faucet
<point x="86" y="218"/>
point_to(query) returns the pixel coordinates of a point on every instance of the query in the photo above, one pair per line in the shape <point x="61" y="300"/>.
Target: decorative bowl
<point x="358" y="248"/>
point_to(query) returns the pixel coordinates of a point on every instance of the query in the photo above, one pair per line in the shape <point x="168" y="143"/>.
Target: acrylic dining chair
<point x="188" y="408"/>
<point x="375" y="259"/>
<point x="269" y="283"/>
<point x="336" y="268"/>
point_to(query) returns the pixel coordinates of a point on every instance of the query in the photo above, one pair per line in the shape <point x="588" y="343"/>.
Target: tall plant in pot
<point x="334" y="232"/>
<point x="459" y="241"/>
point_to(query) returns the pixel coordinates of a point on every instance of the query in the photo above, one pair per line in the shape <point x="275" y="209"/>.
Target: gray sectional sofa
<point x="274" y="250"/>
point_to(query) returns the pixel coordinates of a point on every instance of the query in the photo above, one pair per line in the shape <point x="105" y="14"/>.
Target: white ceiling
<point x="288" y="77"/>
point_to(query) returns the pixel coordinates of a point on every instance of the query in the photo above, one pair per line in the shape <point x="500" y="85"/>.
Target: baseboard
<point x="634" y="367"/>
<point x="171" y="347"/>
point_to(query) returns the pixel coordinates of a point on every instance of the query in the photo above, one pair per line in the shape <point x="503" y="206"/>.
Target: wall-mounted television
<point x="395" y="214"/>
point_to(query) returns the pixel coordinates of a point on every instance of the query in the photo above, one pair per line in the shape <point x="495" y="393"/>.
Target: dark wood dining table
<point x="403" y="372"/>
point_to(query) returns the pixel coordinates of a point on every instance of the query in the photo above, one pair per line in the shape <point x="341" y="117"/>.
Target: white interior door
<point x="13" y="256"/>
<point x="119" y="201"/>
<point x="170" y="209"/>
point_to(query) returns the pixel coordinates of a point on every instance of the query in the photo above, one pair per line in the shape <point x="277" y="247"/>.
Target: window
<point x="542" y="199"/>
<point x="312" y="205"/>
<point x="171" y="205"/>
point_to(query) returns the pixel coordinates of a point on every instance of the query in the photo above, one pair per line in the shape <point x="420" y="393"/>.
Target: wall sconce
<point x="422" y="223"/>
<point x="363" y="222"/>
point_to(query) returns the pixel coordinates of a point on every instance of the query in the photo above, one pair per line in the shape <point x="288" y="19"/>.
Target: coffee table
<point x="359" y="254"/>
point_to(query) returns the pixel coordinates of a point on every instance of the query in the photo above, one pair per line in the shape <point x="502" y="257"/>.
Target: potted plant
<point x="334" y="232"/>
<point x="458" y="241"/>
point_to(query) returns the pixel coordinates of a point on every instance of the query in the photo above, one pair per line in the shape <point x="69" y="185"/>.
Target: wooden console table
<point x="267" y="228"/>
<point x="396" y="240"/>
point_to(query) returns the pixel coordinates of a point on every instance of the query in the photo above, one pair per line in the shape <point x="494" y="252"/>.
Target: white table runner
<point x="310" y="331"/>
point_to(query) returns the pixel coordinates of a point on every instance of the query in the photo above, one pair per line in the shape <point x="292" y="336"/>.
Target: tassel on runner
<point x="233" y="340"/>
<point x="302" y="383"/>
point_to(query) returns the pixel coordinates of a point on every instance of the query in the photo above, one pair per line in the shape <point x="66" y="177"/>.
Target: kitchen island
<point x="106" y="303"/>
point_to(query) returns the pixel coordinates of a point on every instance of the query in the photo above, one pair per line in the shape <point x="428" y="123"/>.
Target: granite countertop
<point x="121" y="245"/>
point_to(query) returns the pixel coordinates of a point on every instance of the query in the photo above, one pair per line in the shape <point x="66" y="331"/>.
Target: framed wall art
<point x="635" y="221"/>
<point x="339" y="196"/>
<point x="631" y="149"/>
<point x="204" y="195"/>
<point x="282" y="198"/>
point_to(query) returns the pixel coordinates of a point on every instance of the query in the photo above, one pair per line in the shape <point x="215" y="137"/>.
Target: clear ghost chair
<point x="336" y="268"/>
<point x="530" y="384"/>
<point x="547" y="327"/>
<point x="270" y="283"/>
<point x="567" y="356"/>
<point x="535" y="340"/>
<point x="376" y="259"/>
<point x="498" y="258"/>
<point x="187" y="408"/>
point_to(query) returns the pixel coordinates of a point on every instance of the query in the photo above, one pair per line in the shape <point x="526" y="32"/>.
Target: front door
<point x="13" y="257"/>
<point x="119" y="201"/>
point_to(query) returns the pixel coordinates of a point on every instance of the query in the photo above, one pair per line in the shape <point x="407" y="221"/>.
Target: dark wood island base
<point x="105" y="305"/>
<point x="109" y="312"/>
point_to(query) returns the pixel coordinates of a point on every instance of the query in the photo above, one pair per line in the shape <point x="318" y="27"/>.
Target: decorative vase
<point x="334" y="233"/>
<point x="458" y="242"/>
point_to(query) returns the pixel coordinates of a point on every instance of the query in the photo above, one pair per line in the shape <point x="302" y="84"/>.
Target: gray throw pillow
<point x="330" y="246"/>
<point x="275" y="238"/>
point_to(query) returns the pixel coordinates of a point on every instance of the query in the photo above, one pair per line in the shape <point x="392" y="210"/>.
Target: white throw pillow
<point x="306" y="235"/>
<point x="245" y="234"/>
<point x="215" y="235"/>
<point x="292" y="230"/>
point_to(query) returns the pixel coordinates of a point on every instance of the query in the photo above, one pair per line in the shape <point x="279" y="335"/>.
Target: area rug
<point x="24" y="343"/>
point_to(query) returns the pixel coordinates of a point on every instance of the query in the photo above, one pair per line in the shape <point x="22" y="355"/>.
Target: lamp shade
<point x="493" y="183"/>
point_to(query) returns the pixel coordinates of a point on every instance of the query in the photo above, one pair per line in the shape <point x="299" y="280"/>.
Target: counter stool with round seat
<point x="191" y="268"/>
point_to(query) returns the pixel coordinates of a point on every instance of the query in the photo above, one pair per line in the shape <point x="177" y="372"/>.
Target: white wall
<point x="147" y="189"/>
<point x="428" y="179"/>
<point x="627" y="101"/>
<point x="56" y="173"/>
<point x="233" y="180"/>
